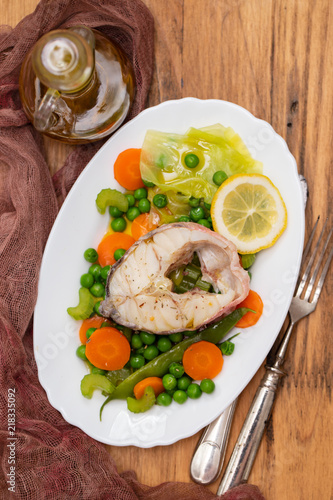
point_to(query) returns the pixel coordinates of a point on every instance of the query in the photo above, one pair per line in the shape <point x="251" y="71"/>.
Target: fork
<point x="244" y="453"/>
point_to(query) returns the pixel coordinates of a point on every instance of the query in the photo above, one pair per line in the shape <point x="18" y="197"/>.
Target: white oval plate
<point x="79" y="226"/>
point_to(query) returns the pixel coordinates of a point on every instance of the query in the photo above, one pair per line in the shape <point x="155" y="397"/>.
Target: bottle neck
<point x="64" y="60"/>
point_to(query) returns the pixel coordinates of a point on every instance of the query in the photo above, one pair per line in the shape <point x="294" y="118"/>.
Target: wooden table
<point x="275" y="58"/>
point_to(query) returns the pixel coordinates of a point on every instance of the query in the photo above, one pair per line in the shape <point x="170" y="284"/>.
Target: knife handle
<point x="245" y="450"/>
<point x="209" y="455"/>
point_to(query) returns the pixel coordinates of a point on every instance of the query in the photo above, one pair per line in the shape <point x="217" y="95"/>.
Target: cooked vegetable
<point x="164" y="399"/>
<point x="108" y="349"/>
<point x="132" y="213"/>
<point x="115" y="212"/>
<point x="191" y="160"/>
<point x="118" y="225"/>
<point x="140" y="194"/>
<point x="217" y="148"/>
<point x="86" y="280"/>
<point x="248" y="259"/>
<point x="194" y="391"/>
<point x="90" y="255"/>
<point x="85" y="306"/>
<point x="81" y="352"/>
<point x="119" y="253"/>
<point x="207" y="385"/>
<point x="160" y="365"/>
<point x="142" y="225"/>
<point x="202" y="360"/>
<point x="111" y="197"/>
<point x="127" y="169"/>
<point x="95" y="270"/>
<point x="144" y="403"/>
<point x="180" y="396"/>
<point x="94" y="381"/>
<point x="154" y="382"/>
<point x="110" y="244"/>
<point x="160" y="200"/>
<point x="94" y="322"/>
<point x="98" y="290"/>
<point x="144" y="205"/>
<point x="176" y="369"/>
<point x="253" y="301"/>
<point x="219" y="177"/>
<point x="183" y="382"/>
<point x="169" y="382"/>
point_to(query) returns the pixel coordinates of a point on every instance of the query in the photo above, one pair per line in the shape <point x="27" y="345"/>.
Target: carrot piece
<point x="202" y="360"/>
<point x="154" y="382"/>
<point x="253" y="301"/>
<point x="94" y="322"/>
<point x="108" y="349"/>
<point x="142" y="225"/>
<point x="109" y="244"/>
<point x="127" y="169"/>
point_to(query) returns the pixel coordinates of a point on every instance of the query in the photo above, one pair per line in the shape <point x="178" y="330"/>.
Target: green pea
<point x="169" y="382"/>
<point x="140" y="193"/>
<point x="219" y="177"/>
<point x="205" y="222"/>
<point x="81" y="352"/>
<point x="197" y="213"/>
<point x="87" y="280"/>
<point x="207" y="385"/>
<point x="118" y="225"/>
<point x="183" y="382"/>
<point x="176" y="337"/>
<point x="140" y="350"/>
<point x="115" y="212"/>
<point x="132" y="213"/>
<point x="90" y="255"/>
<point x="151" y="352"/>
<point x="136" y="341"/>
<point x="147" y="338"/>
<point x="184" y="218"/>
<point x="164" y="344"/>
<point x="164" y="399"/>
<point x="194" y="202"/>
<point x="98" y="290"/>
<point x="148" y="183"/>
<point x="180" y="397"/>
<point x="137" y="361"/>
<point x="105" y="271"/>
<point x="95" y="271"/>
<point x="144" y="205"/>
<point x="90" y="331"/>
<point x="130" y="199"/>
<point x="193" y="391"/>
<point x="191" y="160"/>
<point x="160" y="200"/>
<point x="96" y="308"/>
<point x="207" y="206"/>
<point x="119" y="253"/>
<point x="176" y="369"/>
<point x="98" y="371"/>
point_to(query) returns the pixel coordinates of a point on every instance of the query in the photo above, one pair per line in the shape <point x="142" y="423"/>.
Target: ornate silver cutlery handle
<point x="208" y="458"/>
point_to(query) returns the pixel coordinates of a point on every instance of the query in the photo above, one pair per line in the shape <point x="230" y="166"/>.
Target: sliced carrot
<point x="94" y="322"/>
<point x="108" y="349"/>
<point x="202" y="360"/>
<point x="142" y="225"/>
<point x="253" y="301"/>
<point x="127" y="169"/>
<point x="154" y="382"/>
<point x="110" y="244"/>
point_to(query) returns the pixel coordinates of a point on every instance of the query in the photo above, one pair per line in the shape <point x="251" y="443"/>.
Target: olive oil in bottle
<point x="76" y="86"/>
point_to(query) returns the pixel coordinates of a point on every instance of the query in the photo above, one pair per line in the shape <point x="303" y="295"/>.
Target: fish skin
<point x="139" y="295"/>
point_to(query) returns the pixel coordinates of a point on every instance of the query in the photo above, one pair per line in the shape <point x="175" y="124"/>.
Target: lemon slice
<point x="249" y="210"/>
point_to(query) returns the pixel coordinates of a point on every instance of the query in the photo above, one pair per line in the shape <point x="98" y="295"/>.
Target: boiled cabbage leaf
<point x="217" y="147"/>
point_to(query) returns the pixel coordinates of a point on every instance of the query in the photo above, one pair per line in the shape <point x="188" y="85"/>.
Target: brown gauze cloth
<point x="53" y="459"/>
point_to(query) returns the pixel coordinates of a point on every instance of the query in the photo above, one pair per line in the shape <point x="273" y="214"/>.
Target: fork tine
<point x="306" y="251"/>
<point x="323" y="275"/>
<point x="315" y="272"/>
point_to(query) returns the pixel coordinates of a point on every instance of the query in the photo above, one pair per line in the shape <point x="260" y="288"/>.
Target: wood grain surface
<point x="274" y="58"/>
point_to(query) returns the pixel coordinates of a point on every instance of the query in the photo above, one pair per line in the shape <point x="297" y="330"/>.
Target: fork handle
<point x="245" y="450"/>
